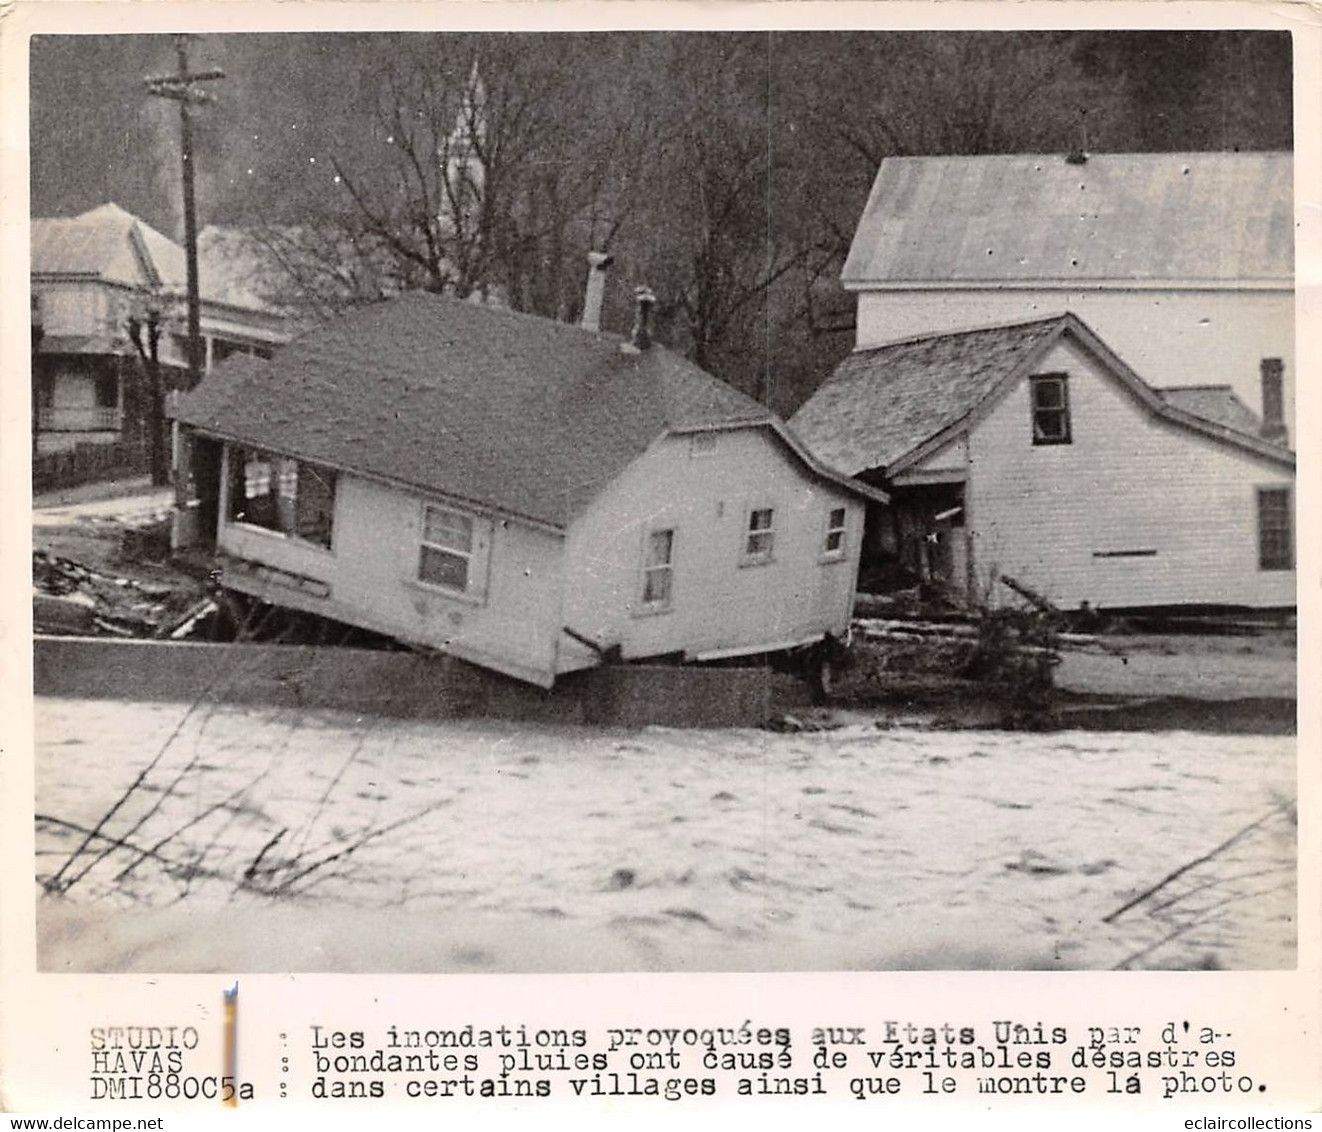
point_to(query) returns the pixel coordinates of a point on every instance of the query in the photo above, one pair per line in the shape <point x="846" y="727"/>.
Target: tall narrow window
<point x="1051" y="409"/>
<point x="834" y="545"/>
<point x="447" y="549"/>
<point x="658" y="569"/>
<point x="1275" y="529"/>
<point x="760" y="539"/>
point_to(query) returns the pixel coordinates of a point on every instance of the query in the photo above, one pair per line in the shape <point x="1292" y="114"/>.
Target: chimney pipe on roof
<point x="641" y="338"/>
<point x="1273" y="401"/>
<point x="598" y="262"/>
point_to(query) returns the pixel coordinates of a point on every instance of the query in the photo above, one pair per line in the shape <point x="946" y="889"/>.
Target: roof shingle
<point x="1214" y="403"/>
<point x="519" y="413"/>
<point x="100" y="243"/>
<point x="881" y="404"/>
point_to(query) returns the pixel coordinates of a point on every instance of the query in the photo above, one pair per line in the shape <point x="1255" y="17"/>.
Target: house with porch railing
<point x="94" y="278"/>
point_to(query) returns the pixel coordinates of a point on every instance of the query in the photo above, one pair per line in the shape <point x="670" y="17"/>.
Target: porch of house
<point x="919" y="539"/>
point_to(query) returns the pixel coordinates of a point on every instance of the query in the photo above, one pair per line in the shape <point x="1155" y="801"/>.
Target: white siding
<point x="952" y="458"/>
<point x="717" y="602"/>
<point x="1168" y="337"/>
<point x="73" y="308"/>
<point x="372" y="575"/>
<point x="1127" y="482"/>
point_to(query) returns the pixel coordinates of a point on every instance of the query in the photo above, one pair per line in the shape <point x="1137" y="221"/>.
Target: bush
<point x="1015" y="657"/>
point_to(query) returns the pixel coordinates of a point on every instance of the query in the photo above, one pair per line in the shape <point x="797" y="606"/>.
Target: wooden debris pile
<point x="71" y="598"/>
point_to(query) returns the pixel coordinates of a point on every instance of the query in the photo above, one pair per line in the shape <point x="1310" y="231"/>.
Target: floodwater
<point x="199" y="838"/>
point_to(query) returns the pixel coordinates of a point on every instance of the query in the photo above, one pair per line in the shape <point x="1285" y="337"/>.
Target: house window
<point x="281" y="494"/>
<point x="1051" y="409"/>
<point x="446" y="558"/>
<point x="760" y="538"/>
<point x="658" y="568"/>
<point x="834" y="545"/>
<point x="1275" y="529"/>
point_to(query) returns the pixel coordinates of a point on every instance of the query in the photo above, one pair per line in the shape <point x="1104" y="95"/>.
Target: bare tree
<point x="144" y="328"/>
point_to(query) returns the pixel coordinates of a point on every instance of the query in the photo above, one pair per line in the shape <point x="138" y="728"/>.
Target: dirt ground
<point x="276" y="840"/>
<point x="1200" y="667"/>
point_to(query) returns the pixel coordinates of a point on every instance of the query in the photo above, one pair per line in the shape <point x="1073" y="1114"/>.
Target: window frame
<point x="1037" y="411"/>
<point x="647" y="568"/>
<point x="764" y="556"/>
<point x="1282" y="560"/>
<point x="283" y="476"/>
<point x="474" y="556"/>
<point x="840" y="552"/>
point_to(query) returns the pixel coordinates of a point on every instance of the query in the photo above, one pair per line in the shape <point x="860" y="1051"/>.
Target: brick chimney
<point x="598" y="263"/>
<point x="1273" y="401"/>
<point x="641" y="337"/>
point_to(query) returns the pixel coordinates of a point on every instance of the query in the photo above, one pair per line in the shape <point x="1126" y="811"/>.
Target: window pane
<point x="759" y="544"/>
<point x="448" y="529"/>
<point x="1275" y="531"/>
<point x="659" y="547"/>
<point x="441" y="568"/>
<point x="760" y="520"/>
<point x="837" y="519"/>
<point x="1048" y="394"/>
<point x="256" y="478"/>
<point x="1051" y="412"/>
<point x="288" y="478"/>
<point x="835" y="540"/>
<point x="1050" y="424"/>
<point x="656" y="586"/>
<point x="259" y="505"/>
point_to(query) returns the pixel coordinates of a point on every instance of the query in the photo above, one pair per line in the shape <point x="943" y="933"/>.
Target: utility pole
<point x="183" y="88"/>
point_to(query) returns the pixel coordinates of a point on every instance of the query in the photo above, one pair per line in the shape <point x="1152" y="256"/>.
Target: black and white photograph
<point x="663" y="501"/>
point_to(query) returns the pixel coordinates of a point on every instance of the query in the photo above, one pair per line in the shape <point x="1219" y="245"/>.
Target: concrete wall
<point x="1169" y="337"/>
<point x="718" y="601"/>
<point x="1128" y="481"/>
<point x="404" y="685"/>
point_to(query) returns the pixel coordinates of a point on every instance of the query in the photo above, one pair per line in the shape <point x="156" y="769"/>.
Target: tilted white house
<point x="1182" y="262"/>
<point x="1032" y="450"/>
<point x="526" y="495"/>
<point x="90" y="273"/>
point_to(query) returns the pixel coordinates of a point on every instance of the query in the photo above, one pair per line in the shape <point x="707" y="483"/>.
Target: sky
<point x="288" y="101"/>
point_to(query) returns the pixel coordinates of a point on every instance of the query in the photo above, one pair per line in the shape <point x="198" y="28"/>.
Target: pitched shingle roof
<point x="113" y="245"/>
<point x="1210" y="218"/>
<point x="1214" y="403"/>
<point x="518" y="413"/>
<point x="881" y="405"/>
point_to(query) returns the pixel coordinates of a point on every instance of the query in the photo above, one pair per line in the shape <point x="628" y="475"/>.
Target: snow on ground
<point x="261" y="839"/>
<point x="1237" y="669"/>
